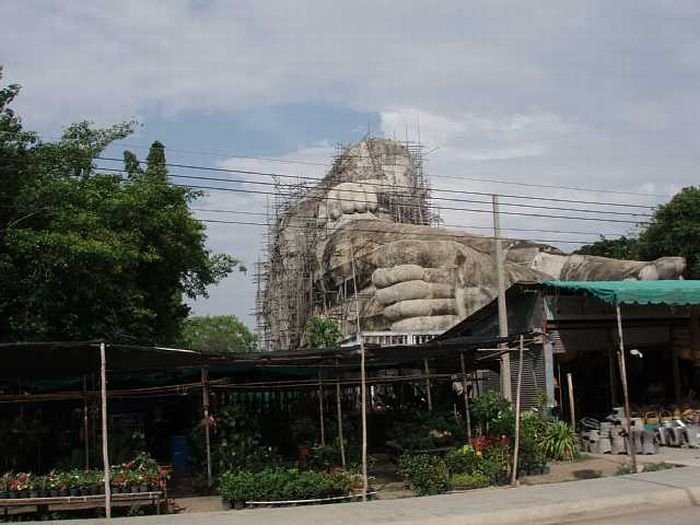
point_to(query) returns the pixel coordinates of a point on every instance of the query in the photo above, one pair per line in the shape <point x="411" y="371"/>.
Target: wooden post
<point x="86" y="424"/>
<point x="207" y="431"/>
<point x="516" y="445"/>
<point x="572" y="409"/>
<point x="339" y="407"/>
<point x="429" y="394"/>
<point x="320" y="409"/>
<point x="467" y="416"/>
<point x="105" y="443"/>
<point x="676" y="374"/>
<point x="613" y="386"/>
<point x="363" y="382"/>
<point x="625" y="390"/>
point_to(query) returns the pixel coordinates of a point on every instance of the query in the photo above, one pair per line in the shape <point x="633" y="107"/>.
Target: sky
<point x="502" y="94"/>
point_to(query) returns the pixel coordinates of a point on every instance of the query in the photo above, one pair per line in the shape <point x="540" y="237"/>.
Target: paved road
<point x="687" y="516"/>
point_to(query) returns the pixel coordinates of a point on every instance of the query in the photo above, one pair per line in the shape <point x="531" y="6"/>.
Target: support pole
<point x="363" y="382"/>
<point x="207" y="430"/>
<point x="572" y="408"/>
<point x="502" y="307"/>
<point x="339" y="407"/>
<point x="429" y="393"/>
<point x="516" y="445"/>
<point x="625" y="390"/>
<point x="105" y="444"/>
<point x="320" y="409"/>
<point x="86" y="424"/>
<point x="611" y="371"/>
<point x="676" y="374"/>
<point x="467" y="416"/>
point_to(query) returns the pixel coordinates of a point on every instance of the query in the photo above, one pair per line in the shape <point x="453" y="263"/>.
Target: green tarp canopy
<point x="639" y="292"/>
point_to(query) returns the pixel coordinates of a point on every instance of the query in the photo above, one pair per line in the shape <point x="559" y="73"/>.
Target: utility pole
<point x="502" y="307"/>
<point x="625" y="391"/>
<point x="363" y="381"/>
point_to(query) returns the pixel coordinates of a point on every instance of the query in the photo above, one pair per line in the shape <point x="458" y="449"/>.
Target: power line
<point x="454" y="177"/>
<point x="446" y="225"/>
<point x="520" y="214"/>
<point x="432" y="175"/>
<point x="439" y="190"/>
<point x="432" y="234"/>
<point x="408" y="205"/>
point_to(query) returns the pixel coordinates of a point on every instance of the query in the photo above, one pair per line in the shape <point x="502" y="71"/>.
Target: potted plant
<point x="20" y="484"/>
<point x="304" y="433"/>
<point x="119" y="480"/>
<point x="5" y="485"/>
<point x="39" y="489"/>
<point x="52" y="484"/>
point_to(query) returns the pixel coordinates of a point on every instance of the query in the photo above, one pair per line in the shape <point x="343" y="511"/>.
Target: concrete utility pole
<point x="502" y="307"/>
<point x="363" y="381"/>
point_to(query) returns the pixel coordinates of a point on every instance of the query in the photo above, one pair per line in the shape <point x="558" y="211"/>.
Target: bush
<point x="475" y="480"/>
<point x="280" y="484"/>
<point x="424" y="430"/>
<point x="426" y="473"/>
<point x="533" y="429"/>
<point x="463" y="460"/>
<point x="493" y="414"/>
<point x="655" y="467"/>
<point x="624" y="468"/>
<point x="237" y="486"/>
<point x="559" y="441"/>
<point x="236" y="445"/>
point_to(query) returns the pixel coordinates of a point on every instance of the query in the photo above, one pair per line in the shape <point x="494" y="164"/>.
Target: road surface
<point x="684" y="516"/>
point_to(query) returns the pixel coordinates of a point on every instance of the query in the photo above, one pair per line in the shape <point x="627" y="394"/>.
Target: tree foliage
<point x="321" y="332"/>
<point x="674" y="230"/>
<point x="87" y="255"/>
<point x="219" y="334"/>
<point x="621" y="248"/>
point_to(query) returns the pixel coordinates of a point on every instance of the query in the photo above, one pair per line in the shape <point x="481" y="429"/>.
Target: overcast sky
<point x="594" y="94"/>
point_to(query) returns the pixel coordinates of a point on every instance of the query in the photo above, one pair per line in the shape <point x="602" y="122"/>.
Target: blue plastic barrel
<point x="180" y="455"/>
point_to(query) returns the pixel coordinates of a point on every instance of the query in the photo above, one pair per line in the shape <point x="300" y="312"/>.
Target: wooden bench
<point x="16" y="506"/>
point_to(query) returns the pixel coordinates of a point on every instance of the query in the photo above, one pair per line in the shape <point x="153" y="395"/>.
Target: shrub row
<point x="284" y="484"/>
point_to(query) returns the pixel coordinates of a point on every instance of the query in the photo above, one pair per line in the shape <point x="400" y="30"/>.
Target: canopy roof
<point x="640" y="292"/>
<point x="64" y="366"/>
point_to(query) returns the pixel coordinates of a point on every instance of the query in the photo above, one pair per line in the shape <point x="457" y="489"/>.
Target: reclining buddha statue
<point x="363" y="242"/>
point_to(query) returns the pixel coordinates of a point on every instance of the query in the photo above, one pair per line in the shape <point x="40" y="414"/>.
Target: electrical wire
<point x="406" y="205"/>
<point x="393" y="186"/>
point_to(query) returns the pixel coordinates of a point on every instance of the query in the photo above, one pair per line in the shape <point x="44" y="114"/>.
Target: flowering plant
<point x="21" y="481"/>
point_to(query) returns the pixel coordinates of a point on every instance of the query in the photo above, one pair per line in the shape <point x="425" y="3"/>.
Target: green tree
<point x="321" y="332"/>
<point x="620" y="248"/>
<point x="87" y="255"/>
<point x="674" y="230"/>
<point x="218" y="334"/>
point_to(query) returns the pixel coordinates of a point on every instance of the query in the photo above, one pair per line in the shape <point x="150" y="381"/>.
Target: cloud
<point x="565" y="94"/>
<point x="246" y="240"/>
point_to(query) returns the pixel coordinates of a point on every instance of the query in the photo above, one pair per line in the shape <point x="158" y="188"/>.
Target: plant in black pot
<point x="304" y="433"/>
<point x="74" y="479"/>
<point x="19" y="486"/>
<point x="5" y="485"/>
<point x="38" y="488"/>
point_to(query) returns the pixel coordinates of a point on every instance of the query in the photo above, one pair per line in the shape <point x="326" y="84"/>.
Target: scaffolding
<point x="290" y="284"/>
